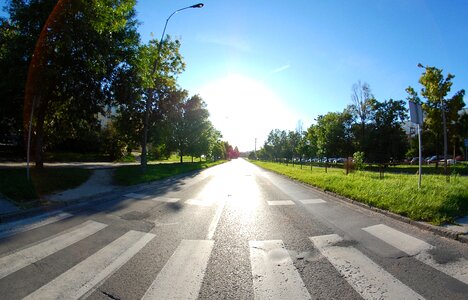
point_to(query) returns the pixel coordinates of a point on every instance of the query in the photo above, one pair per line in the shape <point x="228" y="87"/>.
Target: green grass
<point x="127" y="158"/>
<point x="437" y="201"/>
<point x="15" y="185"/>
<point x="130" y="175"/>
<point x="72" y="157"/>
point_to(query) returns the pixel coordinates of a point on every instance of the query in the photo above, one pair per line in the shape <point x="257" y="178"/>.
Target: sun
<point x="244" y="109"/>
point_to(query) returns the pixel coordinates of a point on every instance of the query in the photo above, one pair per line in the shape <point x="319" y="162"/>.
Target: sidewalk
<point x="85" y="165"/>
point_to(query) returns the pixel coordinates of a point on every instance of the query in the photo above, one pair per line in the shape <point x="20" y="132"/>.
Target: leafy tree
<point x="18" y="35"/>
<point x="138" y="83"/>
<point x="73" y="50"/>
<point x="361" y="109"/>
<point x="333" y="135"/>
<point x="435" y="88"/>
<point x="386" y="132"/>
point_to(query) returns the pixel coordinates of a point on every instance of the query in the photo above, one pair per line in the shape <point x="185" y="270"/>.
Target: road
<point x="233" y="231"/>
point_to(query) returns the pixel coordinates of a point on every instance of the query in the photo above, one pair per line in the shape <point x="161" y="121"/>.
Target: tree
<point x="361" y="109"/>
<point x="333" y="134"/>
<point x="136" y="84"/>
<point x="18" y="35"/>
<point x="77" y="50"/>
<point x="386" y="132"/>
<point x="439" y="109"/>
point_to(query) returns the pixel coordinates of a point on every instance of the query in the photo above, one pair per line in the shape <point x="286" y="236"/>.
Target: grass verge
<point x="130" y="175"/>
<point x="437" y="201"/>
<point x="15" y="185"/>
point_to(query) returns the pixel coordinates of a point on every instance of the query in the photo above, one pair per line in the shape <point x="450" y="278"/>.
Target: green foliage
<point x="358" y="158"/>
<point x="75" y="62"/>
<point x="437" y="201"/>
<point x="435" y="88"/>
<point x="333" y="134"/>
<point x="111" y="144"/>
<point x="386" y="133"/>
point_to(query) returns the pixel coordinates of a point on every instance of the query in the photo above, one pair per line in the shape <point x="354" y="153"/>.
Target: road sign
<point x="466" y="142"/>
<point x="416" y="113"/>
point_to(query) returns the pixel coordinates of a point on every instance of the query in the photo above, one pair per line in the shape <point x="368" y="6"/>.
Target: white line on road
<point x="20" y="259"/>
<point x="281" y="202"/>
<point x="312" y="201"/>
<point x="136" y="196"/>
<point x="215" y="221"/>
<point x="273" y="272"/>
<point x="397" y="239"/>
<point x="420" y="250"/>
<point x="87" y="275"/>
<point x="165" y="199"/>
<point x="182" y="276"/>
<point x="366" y="277"/>
<point x="13" y="228"/>
<point x="198" y="202"/>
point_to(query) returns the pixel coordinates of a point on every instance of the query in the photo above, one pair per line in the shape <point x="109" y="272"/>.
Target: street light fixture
<point x="149" y="99"/>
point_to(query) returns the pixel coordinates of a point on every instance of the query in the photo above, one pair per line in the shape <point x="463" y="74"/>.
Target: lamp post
<point x="149" y="98"/>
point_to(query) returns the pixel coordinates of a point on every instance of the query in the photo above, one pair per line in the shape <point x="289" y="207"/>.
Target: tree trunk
<point x="39" y="140"/>
<point x="181" y="157"/>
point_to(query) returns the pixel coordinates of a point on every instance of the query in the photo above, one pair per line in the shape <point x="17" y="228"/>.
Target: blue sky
<point x="295" y="60"/>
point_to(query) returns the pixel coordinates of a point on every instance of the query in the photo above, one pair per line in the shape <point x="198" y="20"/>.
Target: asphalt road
<point x="230" y="232"/>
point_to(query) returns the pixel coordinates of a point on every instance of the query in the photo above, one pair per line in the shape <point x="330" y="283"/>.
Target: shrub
<point x="358" y="158"/>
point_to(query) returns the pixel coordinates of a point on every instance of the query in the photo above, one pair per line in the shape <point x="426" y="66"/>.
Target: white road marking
<point x="13" y="228"/>
<point x="182" y="276"/>
<point x="20" y="259"/>
<point x="273" y="272"/>
<point x="199" y="202"/>
<point x="281" y="202"/>
<point x="420" y="250"/>
<point x="166" y="199"/>
<point x="136" y="196"/>
<point x="215" y="221"/>
<point x="366" y="277"/>
<point x="87" y="275"/>
<point x="312" y="201"/>
<point x="397" y="239"/>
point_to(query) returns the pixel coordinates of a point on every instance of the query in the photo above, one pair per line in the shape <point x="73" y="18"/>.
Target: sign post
<point x="416" y="115"/>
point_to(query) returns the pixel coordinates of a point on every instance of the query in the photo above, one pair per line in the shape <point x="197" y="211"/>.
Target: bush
<point x="358" y="158"/>
<point x="111" y="144"/>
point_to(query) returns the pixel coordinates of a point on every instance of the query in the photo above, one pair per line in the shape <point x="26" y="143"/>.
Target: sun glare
<point x="244" y="109"/>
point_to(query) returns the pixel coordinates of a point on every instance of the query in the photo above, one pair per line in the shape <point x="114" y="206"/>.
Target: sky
<point x="261" y="65"/>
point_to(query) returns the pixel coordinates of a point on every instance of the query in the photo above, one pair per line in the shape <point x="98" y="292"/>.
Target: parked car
<point x="450" y="161"/>
<point x="339" y="160"/>
<point x="434" y="159"/>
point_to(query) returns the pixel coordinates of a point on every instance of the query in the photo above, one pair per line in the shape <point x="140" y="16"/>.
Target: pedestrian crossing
<point x="275" y="274"/>
<point x="211" y="202"/>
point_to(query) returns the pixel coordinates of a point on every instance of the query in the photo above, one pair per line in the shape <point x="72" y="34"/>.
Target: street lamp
<point x="149" y="99"/>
